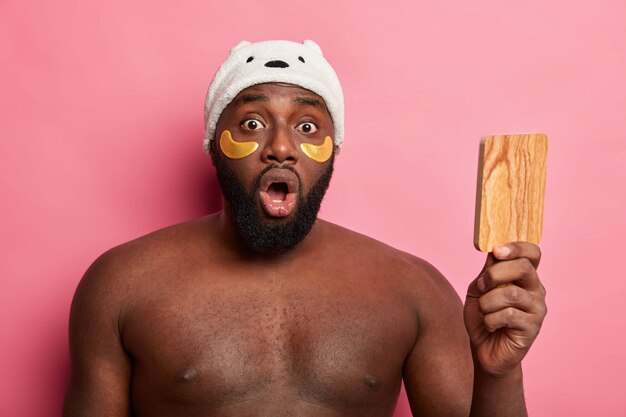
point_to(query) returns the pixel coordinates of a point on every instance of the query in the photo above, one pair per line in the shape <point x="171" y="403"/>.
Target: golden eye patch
<point x="319" y="153"/>
<point x="236" y="150"/>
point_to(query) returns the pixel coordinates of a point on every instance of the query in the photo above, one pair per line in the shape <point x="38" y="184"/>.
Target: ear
<point x="239" y="45"/>
<point x="314" y="46"/>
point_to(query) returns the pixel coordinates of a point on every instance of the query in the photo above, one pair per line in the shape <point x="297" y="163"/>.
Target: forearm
<point x="498" y="396"/>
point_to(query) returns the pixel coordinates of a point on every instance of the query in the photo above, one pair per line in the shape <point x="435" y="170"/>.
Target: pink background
<point x="100" y="142"/>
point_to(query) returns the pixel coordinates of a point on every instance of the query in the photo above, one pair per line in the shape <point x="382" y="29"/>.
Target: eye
<point x="301" y="59"/>
<point x="249" y="59"/>
<point x="252" y="124"/>
<point x="307" y="127"/>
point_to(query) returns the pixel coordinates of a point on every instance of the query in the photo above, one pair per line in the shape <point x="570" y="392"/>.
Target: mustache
<point x="257" y="181"/>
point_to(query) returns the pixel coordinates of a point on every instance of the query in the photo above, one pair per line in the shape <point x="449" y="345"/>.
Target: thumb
<point x="477" y="286"/>
<point x="491" y="259"/>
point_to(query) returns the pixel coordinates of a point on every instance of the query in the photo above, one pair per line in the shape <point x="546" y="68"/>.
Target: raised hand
<point x="505" y="307"/>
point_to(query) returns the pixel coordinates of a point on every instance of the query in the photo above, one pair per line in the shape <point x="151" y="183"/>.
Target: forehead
<point x="268" y="92"/>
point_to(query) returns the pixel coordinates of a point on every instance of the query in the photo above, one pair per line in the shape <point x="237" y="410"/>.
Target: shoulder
<point x="155" y="249"/>
<point x="358" y="246"/>
<point x="113" y="278"/>
<point x="413" y="283"/>
<point x="415" y="276"/>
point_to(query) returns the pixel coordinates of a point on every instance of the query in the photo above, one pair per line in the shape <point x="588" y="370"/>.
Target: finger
<point x="488" y="262"/>
<point x="477" y="286"/>
<point x="509" y="296"/>
<point x="515" y="250"/>
<point x="519" y="271"/>
<point x="512" y="318"/>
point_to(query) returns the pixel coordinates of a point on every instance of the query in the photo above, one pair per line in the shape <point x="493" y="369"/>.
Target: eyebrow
<point x="250" y="98"/>
<point x="304" y="101"/>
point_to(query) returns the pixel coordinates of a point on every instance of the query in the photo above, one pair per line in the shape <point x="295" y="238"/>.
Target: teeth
<point x="277" y="201"/>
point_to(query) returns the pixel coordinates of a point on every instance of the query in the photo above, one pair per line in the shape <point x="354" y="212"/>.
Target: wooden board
<point x="510" y="190"/>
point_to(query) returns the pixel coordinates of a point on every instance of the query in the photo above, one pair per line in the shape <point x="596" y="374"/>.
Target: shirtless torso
<point x="230" y="315"/>
<point x="180" y="325"/>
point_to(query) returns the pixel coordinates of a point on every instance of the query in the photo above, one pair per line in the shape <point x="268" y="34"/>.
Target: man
<point x="263" y="310"/>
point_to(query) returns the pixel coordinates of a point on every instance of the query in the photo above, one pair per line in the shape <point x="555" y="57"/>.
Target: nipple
<point x="188" y="375"/>
<point x="371" y="381"/>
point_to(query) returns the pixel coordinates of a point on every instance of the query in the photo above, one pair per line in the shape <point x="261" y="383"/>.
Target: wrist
<point x="514" y="374"/>
<point x="498" y="394"/>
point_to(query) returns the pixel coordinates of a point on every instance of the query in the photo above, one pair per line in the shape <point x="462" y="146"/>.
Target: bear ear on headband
<point x="240" y="44"/>
<point x="314" y="46"/>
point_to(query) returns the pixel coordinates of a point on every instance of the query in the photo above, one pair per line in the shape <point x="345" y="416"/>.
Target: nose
<point x="280" y="147"/>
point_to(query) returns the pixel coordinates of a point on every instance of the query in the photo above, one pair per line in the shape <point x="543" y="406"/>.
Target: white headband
<point x="248" y="64"/>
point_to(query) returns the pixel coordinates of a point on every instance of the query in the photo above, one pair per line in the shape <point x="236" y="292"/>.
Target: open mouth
<point x="278" y="191"/>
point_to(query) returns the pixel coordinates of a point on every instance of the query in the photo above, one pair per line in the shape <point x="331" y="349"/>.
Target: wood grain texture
<point x="510" y="190"/>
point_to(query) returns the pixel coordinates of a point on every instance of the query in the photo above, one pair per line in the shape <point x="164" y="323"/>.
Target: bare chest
<point x="222" y="344"/>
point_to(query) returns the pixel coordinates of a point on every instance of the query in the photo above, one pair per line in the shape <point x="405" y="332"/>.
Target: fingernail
<point x="503" y="251"/>
<point x="481" y="284"/>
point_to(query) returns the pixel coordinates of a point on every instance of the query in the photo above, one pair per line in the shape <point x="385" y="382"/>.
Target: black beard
<point x="260" y="235"/>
